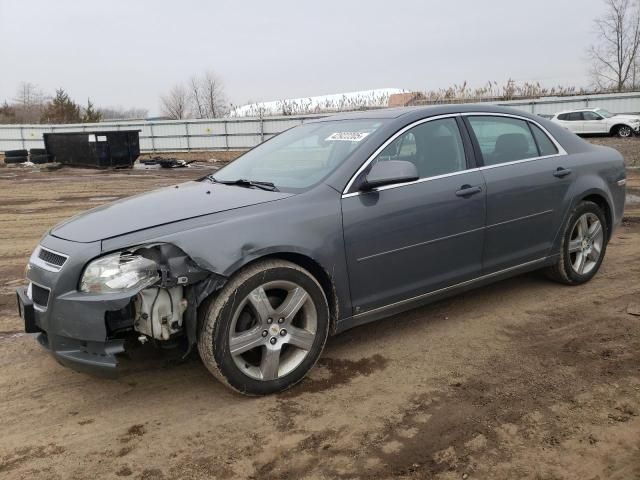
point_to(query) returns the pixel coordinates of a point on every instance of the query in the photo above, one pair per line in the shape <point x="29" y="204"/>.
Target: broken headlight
<point x="117" y="272"/>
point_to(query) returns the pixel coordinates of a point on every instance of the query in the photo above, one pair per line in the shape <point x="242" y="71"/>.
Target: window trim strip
<point x="346" y="194"/>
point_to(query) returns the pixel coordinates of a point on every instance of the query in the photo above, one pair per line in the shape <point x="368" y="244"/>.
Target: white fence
<point x="243" y="133"/>
<point x="166" y="135"/>
<point x="614" y="102"/>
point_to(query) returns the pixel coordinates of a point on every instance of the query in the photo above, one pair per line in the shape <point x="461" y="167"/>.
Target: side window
<point x="591" y="116"/>
<point x="503" y="139"/>
<point x="434" y="147"/>
<point x="545" y="145"/>
<point x="574" y="116"/>
<point x="562" y="116"/>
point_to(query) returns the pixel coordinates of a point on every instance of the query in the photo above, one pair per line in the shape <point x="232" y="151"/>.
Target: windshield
<point x="300" y="157"/>
<point x="604" y="113"/>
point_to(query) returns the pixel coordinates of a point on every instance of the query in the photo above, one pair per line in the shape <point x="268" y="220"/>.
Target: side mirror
<point x="390" y="172"/>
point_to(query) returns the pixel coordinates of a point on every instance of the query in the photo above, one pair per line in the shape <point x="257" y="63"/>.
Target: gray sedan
<point x="329" y="225"/>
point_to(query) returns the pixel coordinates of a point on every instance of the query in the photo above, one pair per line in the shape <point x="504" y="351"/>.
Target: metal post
<point x="22" y="136"/>
<point x="226" y="136"/>
<point x="261" y="128"/>
<point x="186" y="128"/>
<point x="153" y="143"/>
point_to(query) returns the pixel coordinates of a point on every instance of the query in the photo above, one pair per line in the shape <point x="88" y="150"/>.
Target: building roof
<point x="376" y="98"/>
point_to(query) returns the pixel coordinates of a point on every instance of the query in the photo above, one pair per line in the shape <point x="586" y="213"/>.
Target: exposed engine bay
<point x="166" y="310"/>
<point x="159" y="311"/>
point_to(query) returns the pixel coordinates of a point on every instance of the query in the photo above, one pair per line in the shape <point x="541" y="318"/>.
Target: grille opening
<point x="51" y="257"/>
<point x="39" y="295"/>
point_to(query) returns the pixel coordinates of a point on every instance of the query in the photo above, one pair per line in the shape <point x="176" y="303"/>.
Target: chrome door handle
<point x="561" y="172"/>
<point x="468" y="190"/>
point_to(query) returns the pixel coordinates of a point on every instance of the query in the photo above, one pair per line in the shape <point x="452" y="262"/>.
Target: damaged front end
<point x="150" y="292"/>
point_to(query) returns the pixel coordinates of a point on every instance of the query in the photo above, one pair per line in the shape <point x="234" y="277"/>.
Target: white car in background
<point x="598" y="121"/>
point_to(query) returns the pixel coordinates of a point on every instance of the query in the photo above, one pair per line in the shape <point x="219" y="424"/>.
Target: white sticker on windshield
<point x="346" y="137"/>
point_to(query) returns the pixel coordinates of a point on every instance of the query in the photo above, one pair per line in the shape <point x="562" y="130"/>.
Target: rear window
<point x="503" y="139"/>
<point x="545" y="145"/>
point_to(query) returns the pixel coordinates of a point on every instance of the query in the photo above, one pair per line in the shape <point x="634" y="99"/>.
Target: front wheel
<point x="624" y="131"/>
<point x="265" y="329"/>
<point x="584" y="243"/>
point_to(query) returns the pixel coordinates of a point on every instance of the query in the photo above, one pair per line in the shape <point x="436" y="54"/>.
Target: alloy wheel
<point x="585" y="244"/>
<point x="272" y="330"/>
<point x="624" y="131"/>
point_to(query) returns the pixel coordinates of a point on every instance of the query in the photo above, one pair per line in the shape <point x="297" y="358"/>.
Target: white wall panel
<point x="209" y="128"/>
<point x="242" y="133"/>
<point x="250" y="126"/>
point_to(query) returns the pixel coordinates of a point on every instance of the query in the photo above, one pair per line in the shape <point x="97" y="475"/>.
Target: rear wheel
<point x="583" y="245"/>
<point x="265" y="329"/>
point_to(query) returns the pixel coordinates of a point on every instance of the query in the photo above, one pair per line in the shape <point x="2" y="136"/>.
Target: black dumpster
<point x="117" y="149"/>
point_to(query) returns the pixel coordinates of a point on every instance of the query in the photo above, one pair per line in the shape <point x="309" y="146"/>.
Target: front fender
<point x="308" y="224"/>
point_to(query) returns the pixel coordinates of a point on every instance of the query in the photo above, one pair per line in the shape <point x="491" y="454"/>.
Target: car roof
<point x="429" y="111"/>
<point x="579" y="110"/>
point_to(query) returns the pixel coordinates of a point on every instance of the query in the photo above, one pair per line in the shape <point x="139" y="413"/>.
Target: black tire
<point x="217" y="319"/>
<point x="37" y="151"/>
<point x="15" y="153"/>
<point x="564" y="271"/>
<point x="623" y="131"/>
<point x="40" y="159"/>
<point x="13" y="160"/>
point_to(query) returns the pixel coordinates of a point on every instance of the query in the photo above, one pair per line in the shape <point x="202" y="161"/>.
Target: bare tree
<point x="614" y="58"/>
<point x="207" y="97"/>
<point x="29" y="103"/>
<point x="120" y="113"/>
<point x="196" y="98"/>
<point x="214" y="95"/>
<point x="175" y="103"/>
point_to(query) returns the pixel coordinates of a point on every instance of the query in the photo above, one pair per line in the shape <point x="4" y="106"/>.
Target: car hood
<point x="625" y="117"/>
<point x="158" y="207"/>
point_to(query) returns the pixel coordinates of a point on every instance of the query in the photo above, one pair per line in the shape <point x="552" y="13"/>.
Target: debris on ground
<point x="166" y="162"/>
<point x="633" y="309"/>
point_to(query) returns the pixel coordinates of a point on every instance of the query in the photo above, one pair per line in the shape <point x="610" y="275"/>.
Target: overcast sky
<point x="127" y="53"/>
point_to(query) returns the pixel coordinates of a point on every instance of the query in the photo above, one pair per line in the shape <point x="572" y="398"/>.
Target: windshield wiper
<point x="243" y="182"/>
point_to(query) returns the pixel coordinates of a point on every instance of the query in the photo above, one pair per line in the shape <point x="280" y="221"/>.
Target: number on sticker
<point x="346" y="136"/>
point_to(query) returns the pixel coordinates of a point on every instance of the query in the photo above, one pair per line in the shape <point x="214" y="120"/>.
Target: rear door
<point x="524" y="189"/>
<point x="575" y="122"/>
<point x="406" y="240"/>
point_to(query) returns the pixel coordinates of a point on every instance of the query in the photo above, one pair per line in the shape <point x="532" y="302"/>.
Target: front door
<point x="405" y="240"/>
<point x="593" y="123"/>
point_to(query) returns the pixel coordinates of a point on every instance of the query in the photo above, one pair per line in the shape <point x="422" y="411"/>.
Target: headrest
<point x="512" y="144"/>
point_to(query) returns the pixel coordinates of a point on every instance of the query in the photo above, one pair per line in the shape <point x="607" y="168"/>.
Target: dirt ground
<point x="216" y="156"/>
<point x="628" y="147"/>
<point x="521" y="379"/>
